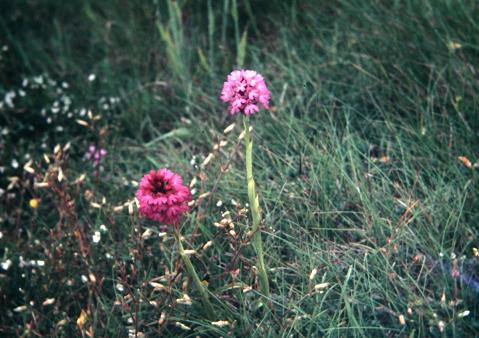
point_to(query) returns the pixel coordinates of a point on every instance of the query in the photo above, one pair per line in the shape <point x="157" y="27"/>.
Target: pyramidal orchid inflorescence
<point x="245" y="91"/>
<point x="163" y="197"/>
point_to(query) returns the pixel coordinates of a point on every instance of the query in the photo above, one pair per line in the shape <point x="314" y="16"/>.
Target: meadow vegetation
<point x="366" y="167"/>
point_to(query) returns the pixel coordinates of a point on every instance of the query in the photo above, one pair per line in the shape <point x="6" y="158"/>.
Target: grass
<point x="356" y="166"/>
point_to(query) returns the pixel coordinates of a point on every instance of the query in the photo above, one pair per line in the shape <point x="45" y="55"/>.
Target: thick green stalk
<point x="199" y="285"/>
<point x="255" y="212"/>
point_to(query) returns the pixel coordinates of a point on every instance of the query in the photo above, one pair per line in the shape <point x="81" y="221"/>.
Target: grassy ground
<point x="356" y="164"/>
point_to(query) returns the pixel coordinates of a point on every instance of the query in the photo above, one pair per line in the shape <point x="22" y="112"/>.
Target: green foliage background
<point x="357" y="164"/>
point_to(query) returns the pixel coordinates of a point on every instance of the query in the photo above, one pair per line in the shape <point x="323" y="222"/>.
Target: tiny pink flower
<point x="95" y="155"/>
<point x="163" y="197"/>
<point x="244" y="90"/>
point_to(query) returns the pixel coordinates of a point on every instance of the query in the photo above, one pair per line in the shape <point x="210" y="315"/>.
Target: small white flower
<point x="67" y="101"/>
<point x="103" y="228"/>
<point x="1" y="233"/>
<point x="65" y="85"/>
<point x="21" y="92"/>
<point x="463" y="314"/>
<point x="6" y="265"/>
<point x="38" y="79"/>
<point x="120" y="287"/>
<point x="9" y="99"/>
<point x="219" y="203"/>
<point x="40" y="263"/>
<point x="25" y="82"/>
<point x="441" y="325"/>
<point x="21" y="263"/>
<point x="14" y="164"/>
<point x="91" y="77"/>
<point x="96" y="237"/>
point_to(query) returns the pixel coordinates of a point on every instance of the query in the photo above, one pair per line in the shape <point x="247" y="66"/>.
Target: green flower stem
<point x="255" y="212"/>
<point x="199" y="285"/>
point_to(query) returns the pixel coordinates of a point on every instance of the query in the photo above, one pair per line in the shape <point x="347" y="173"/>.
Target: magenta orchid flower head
<point x="245" y="91"/>
<point x="163" y="197"/>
